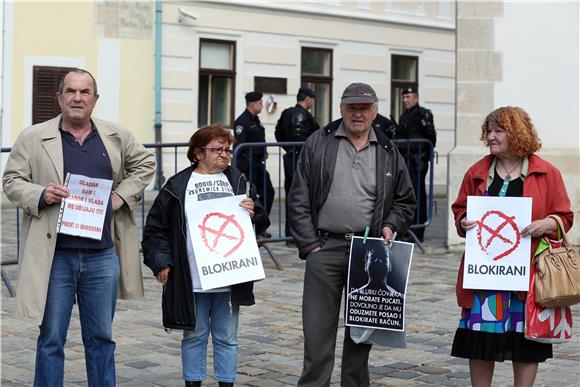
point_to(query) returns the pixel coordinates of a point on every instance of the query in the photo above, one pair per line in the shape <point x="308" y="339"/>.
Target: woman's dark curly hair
<point x="522" y="136"/>
<point x="205" y="135"/>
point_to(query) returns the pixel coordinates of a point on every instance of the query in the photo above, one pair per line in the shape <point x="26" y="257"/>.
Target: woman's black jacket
<point x="164" y="244"/>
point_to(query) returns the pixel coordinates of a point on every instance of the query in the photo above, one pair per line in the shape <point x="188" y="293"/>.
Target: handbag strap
<point x="560" y="227"/>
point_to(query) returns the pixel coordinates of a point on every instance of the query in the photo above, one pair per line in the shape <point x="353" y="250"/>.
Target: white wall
<point x="540" y="43"/>
<point x="522" y="54"/>
<point x="269" y="37"/>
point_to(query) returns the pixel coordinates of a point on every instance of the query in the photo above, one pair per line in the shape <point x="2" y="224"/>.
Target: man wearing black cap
<point x="252" y="161"/>
<point x="416" y="122"/>
<point x="295" y="124"/>
<point x="349" y="177"/>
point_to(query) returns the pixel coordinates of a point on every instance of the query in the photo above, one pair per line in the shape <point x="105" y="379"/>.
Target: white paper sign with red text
<point x="82" y="213"/>
<point x="497" y="257"/>
<point x="224" y="243"/>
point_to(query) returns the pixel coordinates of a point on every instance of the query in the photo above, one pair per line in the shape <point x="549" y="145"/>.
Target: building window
<point x="45" y="82"/>
<point x="217" y="72"/>
<point x="317" y="74"/>
<point x="404" y="73"/>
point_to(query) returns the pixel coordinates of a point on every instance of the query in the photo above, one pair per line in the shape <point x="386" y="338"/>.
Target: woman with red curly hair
<point x="511" y="169"/>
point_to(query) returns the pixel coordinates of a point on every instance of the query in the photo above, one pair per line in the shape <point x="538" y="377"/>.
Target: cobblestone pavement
<point x="270" y="333"/>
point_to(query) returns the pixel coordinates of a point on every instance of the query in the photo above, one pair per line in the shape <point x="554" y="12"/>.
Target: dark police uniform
<point x="386" y="126"/>
<point x="252" y="161"/>
<point x="417" y="123"/>
<point x="295" y="124"/>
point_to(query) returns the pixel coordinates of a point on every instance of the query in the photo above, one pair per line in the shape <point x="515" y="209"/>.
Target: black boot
<point x="225" y="384"/>
<point x="192" y="384"/>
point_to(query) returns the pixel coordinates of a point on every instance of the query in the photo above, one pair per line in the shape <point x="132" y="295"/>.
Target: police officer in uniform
<point x="252" y="161"/>
<point x="295" y="124"/>
<point x="385" y="125"/>
<point x="416" y="122"/>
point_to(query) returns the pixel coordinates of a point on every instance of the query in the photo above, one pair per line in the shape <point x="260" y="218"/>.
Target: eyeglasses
<point x="219" y="151"/>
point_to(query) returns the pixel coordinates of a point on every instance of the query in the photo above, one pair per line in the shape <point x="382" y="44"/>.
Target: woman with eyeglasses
<point x="168" y="252"/>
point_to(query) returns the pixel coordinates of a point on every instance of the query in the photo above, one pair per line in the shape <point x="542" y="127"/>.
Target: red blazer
<point x="543" y="184"/>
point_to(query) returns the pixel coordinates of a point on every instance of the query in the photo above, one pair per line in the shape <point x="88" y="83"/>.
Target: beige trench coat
<point x="36" y="160"/>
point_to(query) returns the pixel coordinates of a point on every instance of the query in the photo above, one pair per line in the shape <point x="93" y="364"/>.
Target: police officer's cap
<point x="410" y="89"/>
<point x="253" y="96"/>
<point x="307" y="91"/>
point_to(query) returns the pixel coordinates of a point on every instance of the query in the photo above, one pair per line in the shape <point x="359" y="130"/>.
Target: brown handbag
<point x="557" y="281"/>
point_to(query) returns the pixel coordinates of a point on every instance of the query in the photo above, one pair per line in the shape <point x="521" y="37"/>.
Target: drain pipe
<point x="158" y="154"/>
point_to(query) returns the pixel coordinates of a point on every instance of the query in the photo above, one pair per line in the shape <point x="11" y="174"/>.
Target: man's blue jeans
<point x="90" y="276"/>
<point x="215" y="313"/>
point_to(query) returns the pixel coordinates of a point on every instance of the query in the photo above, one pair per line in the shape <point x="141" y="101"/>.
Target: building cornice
<point x="443" y="24"/>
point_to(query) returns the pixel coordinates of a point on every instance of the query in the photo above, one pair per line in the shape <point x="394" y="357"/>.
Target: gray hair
<point x="77" y="71"/>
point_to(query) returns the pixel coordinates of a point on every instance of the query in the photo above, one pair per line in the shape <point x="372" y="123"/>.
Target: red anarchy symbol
<point x="495" y="233"/>
<point x="220" y="233"/>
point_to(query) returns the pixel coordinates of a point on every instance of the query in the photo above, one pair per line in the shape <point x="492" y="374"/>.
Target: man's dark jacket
<point x="416" y="123"/>
<point x="295" y="124"/>
<point x="248" y="128"/>
<point x="164" y="244"/>
<point x="395" y="200"/>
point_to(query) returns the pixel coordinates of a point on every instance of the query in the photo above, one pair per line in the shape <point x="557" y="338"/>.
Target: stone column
<point x="478" y="67"/>
<point x="501" y="61"/>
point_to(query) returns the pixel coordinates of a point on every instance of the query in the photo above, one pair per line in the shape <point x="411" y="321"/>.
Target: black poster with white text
<point x="377" y="283"/>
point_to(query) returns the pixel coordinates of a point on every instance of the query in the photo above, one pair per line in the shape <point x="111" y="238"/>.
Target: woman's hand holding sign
<point x="468" y="224"/>
<point x="248" y="204"/>
<point x="539" y="228"/>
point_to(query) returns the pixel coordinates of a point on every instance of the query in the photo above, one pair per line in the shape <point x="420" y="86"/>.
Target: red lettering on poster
<point x="506" y="221"/>
<point x="222" y="241"/>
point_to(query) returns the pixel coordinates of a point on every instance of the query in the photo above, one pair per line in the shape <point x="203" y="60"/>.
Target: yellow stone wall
<point x="67" y="33"/>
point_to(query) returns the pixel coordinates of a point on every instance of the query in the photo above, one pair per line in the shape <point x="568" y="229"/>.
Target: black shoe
<point x="264" y="235"/>
<point x="225" y="384"/>
<point x="192" y="384"/>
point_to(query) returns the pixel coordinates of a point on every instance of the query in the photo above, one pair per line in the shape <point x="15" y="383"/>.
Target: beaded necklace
<point x="507" y="179"/>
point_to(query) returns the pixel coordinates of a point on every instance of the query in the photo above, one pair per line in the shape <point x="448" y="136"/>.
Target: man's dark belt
<point x="344" y="236"/>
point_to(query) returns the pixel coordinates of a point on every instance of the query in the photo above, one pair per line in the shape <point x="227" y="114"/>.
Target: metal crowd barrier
<point x="406" y="147"/>
<point x="13" y="259"/>
<point x="279" y="221"/>
<point x="410" y="149"/>
<point x="419" y="151"/>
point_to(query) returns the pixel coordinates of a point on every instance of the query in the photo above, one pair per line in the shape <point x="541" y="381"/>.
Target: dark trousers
<point x="418" y="171"/>
<point x="324" y="282"/>
<point x="290" y="160"/>
<point x="260" y="177"/>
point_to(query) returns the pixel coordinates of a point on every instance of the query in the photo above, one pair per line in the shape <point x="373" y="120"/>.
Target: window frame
<point x="219" y="73"/>
<point x="326" y="79"/>
<point x="400" y="84"/>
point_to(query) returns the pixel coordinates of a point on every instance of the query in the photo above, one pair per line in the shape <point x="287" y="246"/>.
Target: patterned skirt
<point x="493" y="330"/>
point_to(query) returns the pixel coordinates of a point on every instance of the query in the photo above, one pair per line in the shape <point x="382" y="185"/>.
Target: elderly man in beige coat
<point x="57" y="270"/>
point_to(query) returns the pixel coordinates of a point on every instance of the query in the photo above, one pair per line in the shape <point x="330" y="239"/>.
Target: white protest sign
<point x="497" y="257"/>
<point x="224" y="242"/>
<point x="82" y="213"/>
<point x="377" y="283"/>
